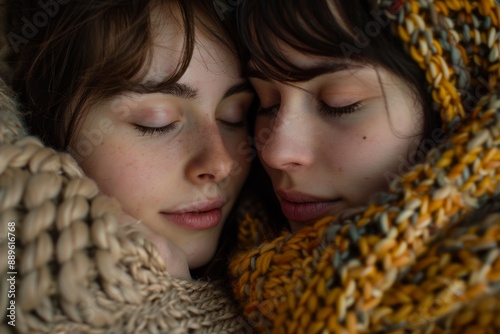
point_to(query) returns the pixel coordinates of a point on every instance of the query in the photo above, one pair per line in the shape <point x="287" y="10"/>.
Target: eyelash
<point x="327" y="110"/>
<point x="322" y="108"/>
<point x="145" y="130"/>
<point x="233" y="125"/>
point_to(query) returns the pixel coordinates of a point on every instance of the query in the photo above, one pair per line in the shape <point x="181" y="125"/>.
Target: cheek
<point x="109" y="166"/>
<point x="117" y="170"/>
<point x="242" y="154"/>
<point x="380" y="160"/>
<point x="366" y="161"/>
<point x="263" y="131"/>
<point x="379" y="143"/>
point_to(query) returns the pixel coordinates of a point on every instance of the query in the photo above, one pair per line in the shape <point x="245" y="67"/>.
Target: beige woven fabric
<point x="77" y="269"/>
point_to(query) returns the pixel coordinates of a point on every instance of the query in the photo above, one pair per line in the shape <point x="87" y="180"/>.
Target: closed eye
<point x="238" y="125"/>
<point x="151" y="131"/>
<point x="328" y="110"/>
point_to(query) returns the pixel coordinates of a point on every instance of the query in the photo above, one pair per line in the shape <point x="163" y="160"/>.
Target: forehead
<point x="168" y="47"/>
<point x="167" y="34"/>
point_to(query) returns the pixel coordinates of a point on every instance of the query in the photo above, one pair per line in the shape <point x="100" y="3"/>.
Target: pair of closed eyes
<point x="322" y="108"/>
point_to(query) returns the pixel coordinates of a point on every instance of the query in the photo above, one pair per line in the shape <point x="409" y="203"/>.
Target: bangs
<point x="124" y="42"/>
<point x="308" y="27"/>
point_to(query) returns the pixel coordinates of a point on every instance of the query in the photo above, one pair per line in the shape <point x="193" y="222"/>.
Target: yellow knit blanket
<point x="423" y="258"/>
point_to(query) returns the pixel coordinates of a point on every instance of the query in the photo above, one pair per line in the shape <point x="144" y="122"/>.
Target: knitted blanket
<point x="68" y="265"/>
<point x="423" y="257"/>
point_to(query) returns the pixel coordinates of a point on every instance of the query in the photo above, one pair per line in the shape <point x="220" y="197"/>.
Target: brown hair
<point x="362" y="34"/>
<point x="88" y="51"/>
<point x="91" y="50"/>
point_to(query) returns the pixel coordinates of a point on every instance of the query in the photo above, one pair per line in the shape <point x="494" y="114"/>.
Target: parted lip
<point x="301" y="207"/>
<point x="299" y="198"/>
<point x="199" y="207"/>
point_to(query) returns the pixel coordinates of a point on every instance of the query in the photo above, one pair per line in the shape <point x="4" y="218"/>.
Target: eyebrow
<point x="171" y="88"/>
<point x="313" y="71"/>
<point x="243" y="86"/>
<point x="184" y="91"/>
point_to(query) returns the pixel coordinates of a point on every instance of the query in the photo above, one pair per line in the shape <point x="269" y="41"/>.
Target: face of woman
<point x="170" y="153"/>
<point x="331" y="142"/>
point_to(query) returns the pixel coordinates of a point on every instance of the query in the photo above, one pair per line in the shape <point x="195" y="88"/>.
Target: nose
<point x="211" y="162"/>
<point x="288" y="145"/>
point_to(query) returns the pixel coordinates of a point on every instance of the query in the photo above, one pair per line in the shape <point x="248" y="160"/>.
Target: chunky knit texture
<point x="77" y="269"/>
<point x="423" y="257"/>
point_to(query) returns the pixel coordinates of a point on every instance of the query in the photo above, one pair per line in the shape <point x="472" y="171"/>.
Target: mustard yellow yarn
<point x="424" y="258"/>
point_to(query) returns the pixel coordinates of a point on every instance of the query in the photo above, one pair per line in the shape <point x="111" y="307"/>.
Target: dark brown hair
<point x="87" y="51"/>
<point x="310" y="27"/>
<point x="91" y="50"/>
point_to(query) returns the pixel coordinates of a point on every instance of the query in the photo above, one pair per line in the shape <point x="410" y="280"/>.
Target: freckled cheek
<point x="117" y="169"/>
<point x="241" y="156"/>
<point x="124" y="172"/>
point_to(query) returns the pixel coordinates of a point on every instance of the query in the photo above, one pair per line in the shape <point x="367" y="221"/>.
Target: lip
<point x="198" y="216"/>
<point x="301" y="207"/>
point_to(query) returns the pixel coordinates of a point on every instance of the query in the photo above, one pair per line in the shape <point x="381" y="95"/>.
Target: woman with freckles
<point x="154" y="115"/>
<point x="382" y="234"/>
<point x="149" y="99"/>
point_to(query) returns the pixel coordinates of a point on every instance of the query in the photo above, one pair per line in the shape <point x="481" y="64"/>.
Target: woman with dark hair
<point x="379" y="129"/>
<point x="420" y="257"/>
<point x="148" y="97"/>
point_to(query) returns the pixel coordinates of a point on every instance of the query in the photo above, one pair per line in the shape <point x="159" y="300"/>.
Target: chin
<point x="200" y="257"/>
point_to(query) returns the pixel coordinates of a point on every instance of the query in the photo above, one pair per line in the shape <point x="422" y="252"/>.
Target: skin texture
<point x="157" y="152"/>
<point x="336" y="156"/>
